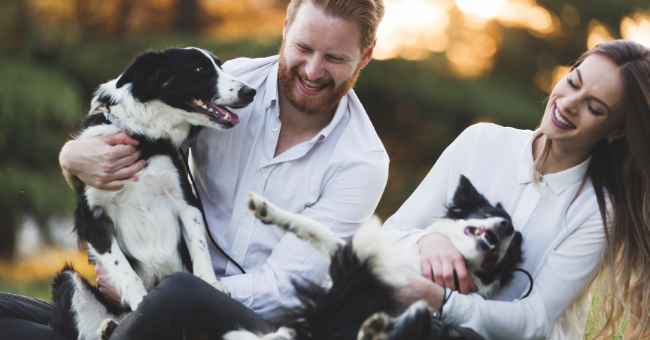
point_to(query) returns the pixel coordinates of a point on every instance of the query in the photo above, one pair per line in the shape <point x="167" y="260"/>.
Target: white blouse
<point x="562" y="242"/>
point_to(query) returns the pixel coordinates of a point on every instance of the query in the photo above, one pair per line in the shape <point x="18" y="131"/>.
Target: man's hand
<point x="103" y="162"/>
<point x="440" y="259"/>
<point x="419" y="288"/>
<point x="106" y="288"/>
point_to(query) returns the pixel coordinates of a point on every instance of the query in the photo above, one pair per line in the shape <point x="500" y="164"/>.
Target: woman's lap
<point x="181" y="307"/>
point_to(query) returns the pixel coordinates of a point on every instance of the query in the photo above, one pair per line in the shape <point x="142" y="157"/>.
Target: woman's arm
<point x="427" y="204"/>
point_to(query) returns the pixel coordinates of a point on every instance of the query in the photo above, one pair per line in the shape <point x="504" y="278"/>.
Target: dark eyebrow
<point x="592" y="97"/>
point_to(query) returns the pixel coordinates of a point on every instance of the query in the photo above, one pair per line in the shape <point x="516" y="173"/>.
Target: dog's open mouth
<point x="484" y="234"/>
<point x="218" y="113"/>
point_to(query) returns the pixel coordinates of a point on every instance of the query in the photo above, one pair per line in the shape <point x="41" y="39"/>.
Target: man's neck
<point x="297" y="126"/>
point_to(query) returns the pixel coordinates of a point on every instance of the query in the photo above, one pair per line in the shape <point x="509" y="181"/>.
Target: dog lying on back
<point x="483" y="234"/>
<point x="152" y="227"/>
<point x="366" y="273"/>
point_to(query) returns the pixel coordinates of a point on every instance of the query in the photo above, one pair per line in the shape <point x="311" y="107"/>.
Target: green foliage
<point x="38" y="108"/>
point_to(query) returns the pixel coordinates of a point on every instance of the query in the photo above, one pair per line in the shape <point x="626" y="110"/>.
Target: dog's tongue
<point x="234" y="119"/>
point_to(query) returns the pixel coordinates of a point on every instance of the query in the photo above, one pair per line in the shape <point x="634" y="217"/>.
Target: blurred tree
<point x="38" y="107"/>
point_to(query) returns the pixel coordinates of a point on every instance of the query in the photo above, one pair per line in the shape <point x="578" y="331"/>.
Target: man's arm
<point x="349" y="199"/>
<point x="104" y="162"/>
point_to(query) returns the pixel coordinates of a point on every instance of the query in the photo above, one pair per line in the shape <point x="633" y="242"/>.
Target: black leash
<point x="530" y="277"/>
<point x="205" y="221"/>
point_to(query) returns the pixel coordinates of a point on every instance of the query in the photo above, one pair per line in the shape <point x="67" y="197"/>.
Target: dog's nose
<point x="247" y="93"/>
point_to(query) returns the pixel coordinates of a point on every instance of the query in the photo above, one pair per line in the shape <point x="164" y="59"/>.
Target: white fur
<point x="385" y="258"/>
<point x="284" y="333"/>
<point x="93" y="311"/>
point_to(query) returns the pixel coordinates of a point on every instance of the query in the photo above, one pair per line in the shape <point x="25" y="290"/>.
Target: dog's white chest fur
<point x="146" y="216"/>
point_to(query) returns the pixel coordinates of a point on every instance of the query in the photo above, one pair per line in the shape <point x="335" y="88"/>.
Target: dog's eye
<point x="489" y="215"/>
<point x="201" y="69"/>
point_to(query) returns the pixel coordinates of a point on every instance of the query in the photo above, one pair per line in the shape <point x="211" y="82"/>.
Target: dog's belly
<point x="146" y="218"/>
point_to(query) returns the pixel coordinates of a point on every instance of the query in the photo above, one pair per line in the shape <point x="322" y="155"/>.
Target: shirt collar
<point x="557" y="182"/>
<point x="271" y="98"/>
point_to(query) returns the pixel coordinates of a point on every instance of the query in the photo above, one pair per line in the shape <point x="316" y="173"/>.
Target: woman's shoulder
<point x="490" y="134"/>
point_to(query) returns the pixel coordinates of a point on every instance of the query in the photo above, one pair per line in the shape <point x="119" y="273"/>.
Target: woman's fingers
<point x="448" y="275"/>
<point x="463" y="277"/>
<point x="119" y="179"/>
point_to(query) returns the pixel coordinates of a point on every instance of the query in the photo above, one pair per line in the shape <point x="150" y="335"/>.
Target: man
<point x="305" y="143"/>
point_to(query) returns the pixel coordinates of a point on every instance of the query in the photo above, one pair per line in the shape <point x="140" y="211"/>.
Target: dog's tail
<point x="79" y="307"/>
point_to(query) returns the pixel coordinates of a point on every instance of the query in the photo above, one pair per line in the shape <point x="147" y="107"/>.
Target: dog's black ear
<point x="500" y="206"/>
<point x="466" y="198"/>
<point x="145" y="73"/>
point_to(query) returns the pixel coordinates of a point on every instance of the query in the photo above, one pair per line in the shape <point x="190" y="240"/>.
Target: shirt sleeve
<point x="567" y="272"/>
<point x="427" y="204"/>
<point x="348" y="199"/>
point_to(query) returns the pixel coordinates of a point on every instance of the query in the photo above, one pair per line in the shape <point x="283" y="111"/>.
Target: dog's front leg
<point x="193" y="231"/>
<point x="305" y="228"/>
<point x="120" y="274"/>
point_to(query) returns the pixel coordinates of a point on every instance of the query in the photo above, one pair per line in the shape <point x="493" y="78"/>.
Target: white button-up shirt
<point x="336" y="178"/>
<point x="562" y="245"/>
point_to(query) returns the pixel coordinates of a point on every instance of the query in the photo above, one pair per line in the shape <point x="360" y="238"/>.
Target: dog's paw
<point x="259" y="207"/>
<point x="374" y="328"/>
<point x="220" y="287"/>
<point x="284" y="333"/>
<point x="106" y="328"/>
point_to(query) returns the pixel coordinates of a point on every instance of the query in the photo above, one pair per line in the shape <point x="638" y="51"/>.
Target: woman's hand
<point x="419" y="288"/>
<point x="106" y="288"/>
<point x="103" y="162"/>
<point x="440" y="259"/>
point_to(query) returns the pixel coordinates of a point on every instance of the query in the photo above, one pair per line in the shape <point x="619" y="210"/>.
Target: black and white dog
<point x="483" y="234"/>
<point x="366" y="273"/>
<point x="152" y="227"/>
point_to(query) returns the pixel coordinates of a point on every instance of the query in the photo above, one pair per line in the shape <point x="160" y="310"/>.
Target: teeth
<point x="199" y="102"/>
<point x="210" y="109"/>
<point x="477" y="232"/>
<point x="227" y="116"/>
<point x="204" y="106"/>
<point x="562" y="120"/>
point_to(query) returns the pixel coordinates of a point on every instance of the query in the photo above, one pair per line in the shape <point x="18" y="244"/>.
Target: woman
<point x="589" y="163"/>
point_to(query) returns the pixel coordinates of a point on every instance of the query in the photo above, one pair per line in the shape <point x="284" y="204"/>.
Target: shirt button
<point x="263" y="170"/>
<point x="236" y="255"/>
<point x="275" y="128"/>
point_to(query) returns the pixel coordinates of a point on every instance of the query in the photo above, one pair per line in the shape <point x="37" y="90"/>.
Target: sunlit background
<point x="440" y="65"/>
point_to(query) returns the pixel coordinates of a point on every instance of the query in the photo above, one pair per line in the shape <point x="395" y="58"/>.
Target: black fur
<point x="338" y="313"/>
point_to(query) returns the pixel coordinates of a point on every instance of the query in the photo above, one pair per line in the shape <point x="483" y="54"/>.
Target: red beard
<point x="326" y="102"/>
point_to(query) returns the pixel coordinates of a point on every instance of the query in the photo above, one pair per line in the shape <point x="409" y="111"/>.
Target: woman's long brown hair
<point x="620" y="172"/>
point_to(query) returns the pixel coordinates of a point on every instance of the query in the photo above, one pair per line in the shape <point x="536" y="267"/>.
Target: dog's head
<point x="488" y="227"/>
<point x="189" y="79"/>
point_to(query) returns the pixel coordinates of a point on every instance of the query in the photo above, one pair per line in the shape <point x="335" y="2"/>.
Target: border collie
<point x="152" y="227"/>
<point x="483" y="234"/>
<point x="366" y="273"/>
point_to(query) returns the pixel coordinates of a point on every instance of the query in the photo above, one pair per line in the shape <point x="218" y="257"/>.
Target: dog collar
<point x="111" y="118"/>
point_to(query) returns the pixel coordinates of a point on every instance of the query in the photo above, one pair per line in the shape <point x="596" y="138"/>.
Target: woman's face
<point x="585" y="105"/>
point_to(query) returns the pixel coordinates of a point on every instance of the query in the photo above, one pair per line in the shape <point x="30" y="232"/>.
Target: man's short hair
<point x="366" y="13"/>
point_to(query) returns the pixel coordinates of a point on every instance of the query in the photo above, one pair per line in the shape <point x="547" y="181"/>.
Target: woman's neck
<point x="560" y="157"/>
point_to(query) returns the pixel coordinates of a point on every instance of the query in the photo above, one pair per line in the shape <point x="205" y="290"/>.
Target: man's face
<point x="320" y="59"/>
